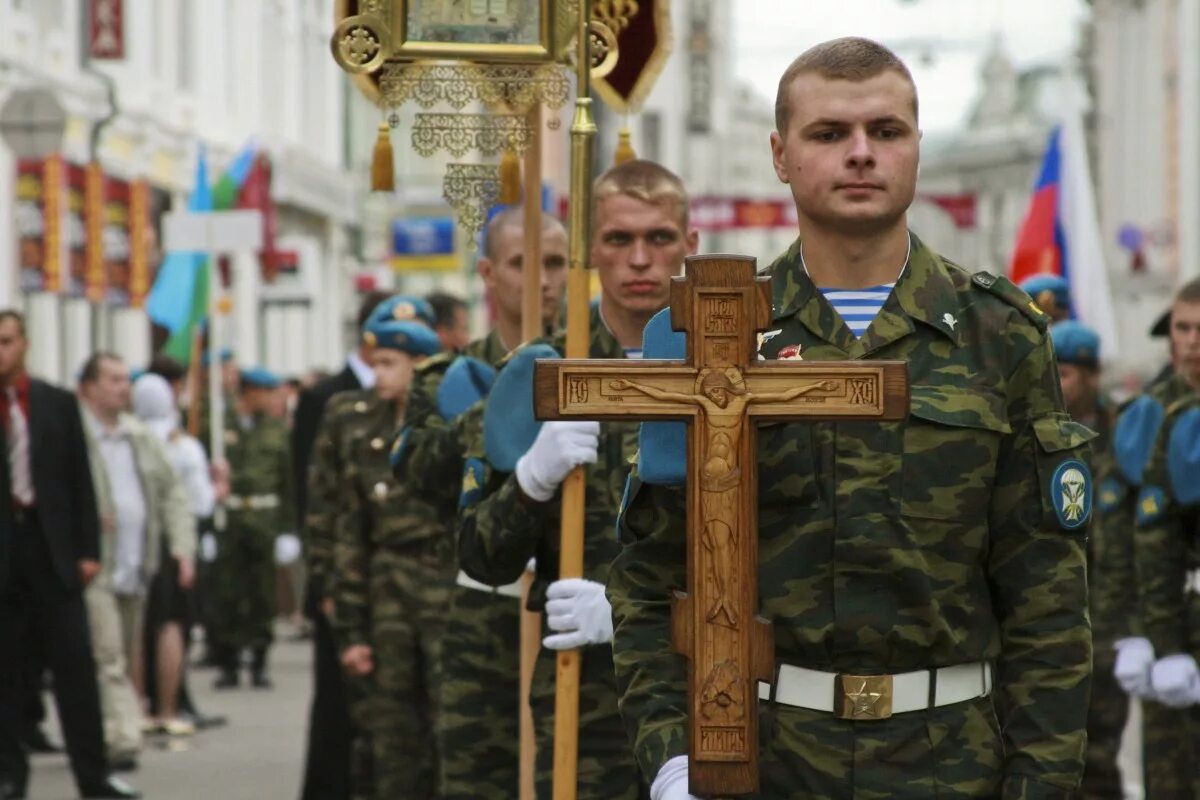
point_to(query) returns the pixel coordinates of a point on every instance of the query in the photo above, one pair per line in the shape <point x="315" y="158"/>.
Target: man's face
<point x="13" y="345"/>
<point x="457" y="333"/>
<point x="850" y="152"/>
<point x="637" y="248"/>
<point x="1080" y="385"/>
<point x="1185" y="341"/>
<point x="230" y="376"/>
<point x="718" y="396"/>
<point x="393" y="372"/>
<point x="502" y="276"/>
<point x="109" y="393"/>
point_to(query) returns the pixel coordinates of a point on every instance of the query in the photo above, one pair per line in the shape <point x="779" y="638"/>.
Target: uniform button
<point x="360" y="406"/>
<point x="377" y="443"/>
<point x="381" y="489"/>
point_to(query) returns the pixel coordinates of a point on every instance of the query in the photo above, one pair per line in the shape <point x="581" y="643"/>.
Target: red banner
<point x="139" y="242"/>
<point x="740" y="213"/>
<point x="95" y="278"/>
<point x="76" y="231"/>
<point x="960" y="207"/>
<point x="116" y="242"/>
<point x="106" y="29"/>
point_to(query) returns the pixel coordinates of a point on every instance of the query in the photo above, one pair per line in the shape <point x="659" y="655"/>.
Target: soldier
<point x="640" y="239"/>
<point x="478" y="737"/>
<point x="1077" y="348"/>
<point x="392" y="559"/>
<point x="946" y="551"/>
<point x="258" y="510"/>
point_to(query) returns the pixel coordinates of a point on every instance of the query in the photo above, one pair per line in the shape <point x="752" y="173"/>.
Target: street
<point x="259" y="755"/>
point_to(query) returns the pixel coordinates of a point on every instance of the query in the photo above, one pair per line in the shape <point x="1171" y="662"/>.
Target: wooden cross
<point x="721" y="389"/>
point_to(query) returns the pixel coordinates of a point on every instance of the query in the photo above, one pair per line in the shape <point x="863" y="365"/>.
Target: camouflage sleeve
<point x="431" y="457"/>
<point x="1037" y="570"/>
<point x="351" y="568"/>
<point x="287" y="494"/>
<point x="651" y="678"/>
<point x="323" y="473"/>
<point x="1114" y="560"/>
<point x="1161" y="557"/>
<point x="498" y="527"/>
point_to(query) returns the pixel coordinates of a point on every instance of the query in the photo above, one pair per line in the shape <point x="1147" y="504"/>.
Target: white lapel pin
<point x="949" y="319"/>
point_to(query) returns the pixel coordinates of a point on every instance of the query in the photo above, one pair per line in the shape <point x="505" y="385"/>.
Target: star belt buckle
<point x="863" y="697"/>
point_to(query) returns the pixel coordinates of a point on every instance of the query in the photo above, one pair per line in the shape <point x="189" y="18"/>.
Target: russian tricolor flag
<point x="1061" y="231"/>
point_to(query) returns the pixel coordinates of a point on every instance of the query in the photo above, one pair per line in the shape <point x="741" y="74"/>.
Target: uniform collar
<point x="924" y="292"/>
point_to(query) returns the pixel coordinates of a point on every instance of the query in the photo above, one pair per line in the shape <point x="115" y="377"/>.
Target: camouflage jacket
<point x="889" y="547"/>
<point x="370" y="514"/>
<point x="260" y="476"/>
<point x="1104" y="467"/>
<point x="499" y="530"/>
<point x="433" y="447"/>
<point x="1166" y="537"/>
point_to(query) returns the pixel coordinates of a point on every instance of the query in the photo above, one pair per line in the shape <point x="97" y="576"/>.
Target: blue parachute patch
<point x="400" y="447"/>
<point x="509" y="427"/>
<point x="1152" y="502"/>
<point x="1110" y="495"/>
<point x="472" y="483"/>
<point x="1071" y="493"/>
<point x="1183" y="457"/>
<point x="1133" y="438"/>
<point x="466" y="382"/>
<point x="662" y="446"/>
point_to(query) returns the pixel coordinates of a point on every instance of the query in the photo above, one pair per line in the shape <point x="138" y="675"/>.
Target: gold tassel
<point x="383" y="163"/>
<point x="625" y="151"/>
<point x="510" y="178"/>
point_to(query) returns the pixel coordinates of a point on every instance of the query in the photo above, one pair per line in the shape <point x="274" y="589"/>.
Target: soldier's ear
<point x="693" y="241"/>
<point x="486" y="271"/>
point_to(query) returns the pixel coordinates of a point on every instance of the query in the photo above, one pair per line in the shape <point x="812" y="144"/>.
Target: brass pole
<point x="531" y="328"/>
<point x="583" y="132"/>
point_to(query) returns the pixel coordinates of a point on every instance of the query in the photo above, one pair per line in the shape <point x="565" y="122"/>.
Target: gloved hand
<point x="671" y="783"/>
<point x="558" y="449"/>
<point x="287" y="548"/>
<point x="578" y="609"/>
<point x="1176" y="681"/>
<point x="1135" y="657"/>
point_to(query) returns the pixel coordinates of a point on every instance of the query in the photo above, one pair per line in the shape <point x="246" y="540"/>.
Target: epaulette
<point x="1183" y="456"/>
<point x="438" y="361"/>
<point x="1010" y="293"/>
<point x="1134" y="435"/>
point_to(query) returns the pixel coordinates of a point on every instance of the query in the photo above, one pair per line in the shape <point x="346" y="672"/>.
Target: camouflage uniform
<point x="1113" y="584"/>
<point x="392" y="571"/>
<point x="258" y="509"/>
<point x="891" y="547"/>
<point x="1166" y="541"/>
<point x="478" y="733"/>
<point x="500" y="531"/>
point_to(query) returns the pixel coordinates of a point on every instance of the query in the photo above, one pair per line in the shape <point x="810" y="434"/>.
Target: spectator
<point x="450" y="321"/>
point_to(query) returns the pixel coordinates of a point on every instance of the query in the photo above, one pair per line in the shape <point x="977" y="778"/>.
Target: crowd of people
<point x="1014" y="558"/>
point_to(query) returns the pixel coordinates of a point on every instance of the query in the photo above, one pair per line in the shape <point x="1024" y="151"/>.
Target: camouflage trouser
<point x="1167" y="772"/>
<point x="1106" y="720"/>
<point x="478" y="731"/>
<point x="410" y="594"/>
<point x="243" y="588"/>
<point x="950" y="752"/>
<point x="360" y="695"/>
<point x="607" y="768"/>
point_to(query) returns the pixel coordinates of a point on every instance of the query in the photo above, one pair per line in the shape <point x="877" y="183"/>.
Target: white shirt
<point x="191" y="465"/>
<point x="129" y="505"/>
<point x="361" y="369"/>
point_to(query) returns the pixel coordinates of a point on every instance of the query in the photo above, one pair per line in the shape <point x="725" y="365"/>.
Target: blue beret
<point x="467" y="381"/>
<point x="1134" y="435"/>
<point x="402" y="322"/>
<point x="1056" y="286"/>
<point x="509" y="427"/>
<point x="662" y="446"/>
<point x="1075" y="343"/>
<point x="225" y="354"/>
<point x="260" y="378"/>
<point x="1183" y="457"/>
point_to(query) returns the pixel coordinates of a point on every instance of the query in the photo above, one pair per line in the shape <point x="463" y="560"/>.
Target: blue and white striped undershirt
<point x="858" y="308"/>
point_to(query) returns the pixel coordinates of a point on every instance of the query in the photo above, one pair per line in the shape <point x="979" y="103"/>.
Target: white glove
<point x="1135" y="657"/>
<point x="208" y="548"/>
<point x="287" y="548"/>
<point x="1176" y="681"/>
<point x="580" y="611"/>
<point x="671" y="783"/>
<point x="559" y="448"/>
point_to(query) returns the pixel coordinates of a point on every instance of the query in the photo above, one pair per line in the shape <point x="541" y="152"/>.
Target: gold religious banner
<point x="459" y="134"/>
<point x="471" y="189"/>
<point x="721" y="389"/>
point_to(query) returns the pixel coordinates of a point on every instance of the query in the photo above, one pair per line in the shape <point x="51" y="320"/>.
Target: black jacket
<point x="304" y="430"/>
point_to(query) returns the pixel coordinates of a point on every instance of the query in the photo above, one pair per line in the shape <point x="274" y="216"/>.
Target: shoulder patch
<point x="1133" y="438"/>
<point x="472" y="483"/>
<point x="1183" y="457"/>
<point x="1152" y="502"/>
<point x="1071" y="491"/>
<point x="1010" y="293"/>
<point x="1110" y="494"/>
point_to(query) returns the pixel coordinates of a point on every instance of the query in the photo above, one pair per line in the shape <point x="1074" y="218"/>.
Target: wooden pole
<point x="193" y="385"/>
<point x="583" y="131"/>
<point x="531" y="328"/>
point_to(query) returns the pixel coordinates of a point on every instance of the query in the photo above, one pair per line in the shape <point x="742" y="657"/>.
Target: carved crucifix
<point x="721" y="389"/>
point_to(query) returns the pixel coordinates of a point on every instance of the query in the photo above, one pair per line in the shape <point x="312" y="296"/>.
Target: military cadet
<point x="639" y="240"/>
<point x="1077" y="348"/>
<point x="392" y="559"/>
<point x="1051" y="293"/>
<point x="477" y="735"/>
<point x="258" y="509"/>
<point x="946" y="551"/>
